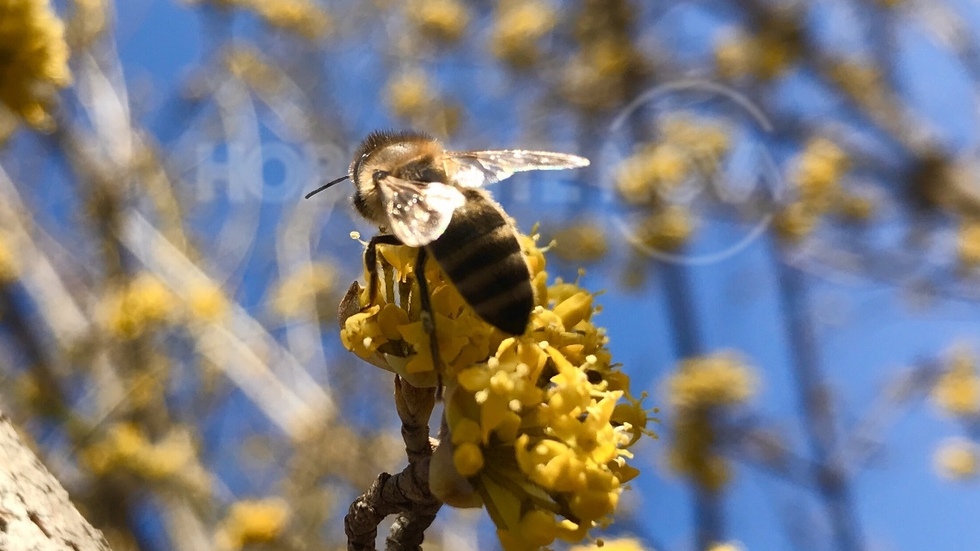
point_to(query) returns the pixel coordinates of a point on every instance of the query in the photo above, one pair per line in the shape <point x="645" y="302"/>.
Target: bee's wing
<point x="479" y="168"/>
<point x="419" y="212"/>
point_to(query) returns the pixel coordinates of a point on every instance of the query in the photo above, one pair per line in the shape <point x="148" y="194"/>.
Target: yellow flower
<point x="696" y="391"/>
<point x="724" y="546"/>
<point x="719" y="379"/>
<point x="8" y="260"/>
<point x="409" y="94"/>
<point x="310" y="285"/>
<point x="253" y="522"/>
<point x="820" y="168"/>
<point x="581" y="242"/>
<point x="620" y="544"/>
<point x="125" y="448"/>
<point x="957" y="459"/>
<point x="517" y="28"/>
<point x="539" y="424"/>
<point x="206" y="301"/>
<point x="441" y="20"/>
<point x="796" y="221"/>
<point x="968" y="243"/>
<point x="735" y="56"/>
<point x="138" y="305"/>
<point x="958" y="389"/>
<point x="33" y="60"/>
<point x="667" y="229"/>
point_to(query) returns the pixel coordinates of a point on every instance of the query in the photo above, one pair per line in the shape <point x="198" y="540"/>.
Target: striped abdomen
<point x="480" y="254"/>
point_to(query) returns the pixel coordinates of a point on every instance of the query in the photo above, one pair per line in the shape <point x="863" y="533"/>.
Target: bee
<point x="431" y="198"/>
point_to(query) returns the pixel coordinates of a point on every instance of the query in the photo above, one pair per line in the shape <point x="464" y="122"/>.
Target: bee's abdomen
<point x="480" y="254"/>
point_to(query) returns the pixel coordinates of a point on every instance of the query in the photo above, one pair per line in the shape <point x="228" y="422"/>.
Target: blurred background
<point x="783" y="210"/>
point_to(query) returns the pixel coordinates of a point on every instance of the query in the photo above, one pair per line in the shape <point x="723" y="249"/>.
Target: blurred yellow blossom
<point x="795" y="221"/>
<point x="310" y="286"/>
<point x="303" y="17"/>
<point x="779" y="42"/>
<point x="958" y="389"/>
<point x="957" y="459"/>
<point x="126" y="449"/>
<point x="665" y="230"/>
<point x="697" y="392"/>
<point x="717" y="380"/>
<point x="725" y="546"/>
<point x="539" y="424"/>
<point x="206" y="301"/>
<point x="8" y="260"/>
<point x="518" y="26"/>
<point x="247" y="64"/>
<point x="410" y="96"/>
<point x="581" y="242"/>
<point x="440" y="20"/>
<point x="857" y="208"/>
<point x="252" y="522"/>
<point x="619" y="544"/>
<point x="34" y="60"/>
<point x="88" y="21"/>
<point x="820" y="167"/>
<point x="688" y="146"/>
<point x="968" y="243"/>
<point x="136" y="305"/>
<point x="735" y="55"/>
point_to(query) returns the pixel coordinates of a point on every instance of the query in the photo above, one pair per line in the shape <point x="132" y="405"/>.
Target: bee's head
<point x="382" y="151"/>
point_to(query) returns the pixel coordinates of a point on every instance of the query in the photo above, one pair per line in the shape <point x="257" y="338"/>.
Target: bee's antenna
<point x="325" y="186"/>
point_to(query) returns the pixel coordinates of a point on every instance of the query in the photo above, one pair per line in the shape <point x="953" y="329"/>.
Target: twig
<point x="406" y="493"/>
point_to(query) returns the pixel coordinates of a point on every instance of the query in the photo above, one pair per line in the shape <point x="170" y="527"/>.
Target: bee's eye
<point x="380" y="175"/>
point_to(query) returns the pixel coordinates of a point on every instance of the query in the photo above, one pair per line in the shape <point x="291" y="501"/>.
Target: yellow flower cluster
<point x="137" y="305"/>
<point x="820" y="168"/>
<point x="206" y="302"/>
<point x="143" y="303"/>
<point x="581" y="242"/>
<point x="249" y="66"/>
<point x="311" y="284"/>
<point x="125" y="448"/>
<point x="607" y="67"/>
<point x="518" y="27"/>
<point x="8" y="260"/>
<point x="968" y="243"/>
<point x="87" y="22"/>
<point x="253" y="522"/>
<point x="539" y="424"/>
<point x="689" y="147"/>
<point x="958" y="389"/>
<point x="439" y="20"/>
<point x="33" y="60"/>
<point x="303" y="17"/>
<point x="410" y="96"/>
<point x="860" y="80"/>
<point x="957" y="459"/>
<point x="765" y="55"/>
<point x="621" y="544"/>
<point x="698" y="391"/>
<point x="724" y="546"/>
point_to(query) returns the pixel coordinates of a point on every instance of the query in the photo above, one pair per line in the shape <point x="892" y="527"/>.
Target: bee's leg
<point x="371" y="262"/>
<point x="428" y="317"/>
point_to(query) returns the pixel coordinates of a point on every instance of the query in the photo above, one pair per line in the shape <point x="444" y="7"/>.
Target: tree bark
<point x="35" y="512"/>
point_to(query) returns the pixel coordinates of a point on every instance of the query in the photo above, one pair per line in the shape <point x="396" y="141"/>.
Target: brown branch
<point x="407" y="493"/>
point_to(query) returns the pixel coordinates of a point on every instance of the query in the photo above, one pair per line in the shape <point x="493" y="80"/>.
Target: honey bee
<point x="431" y="198"/>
